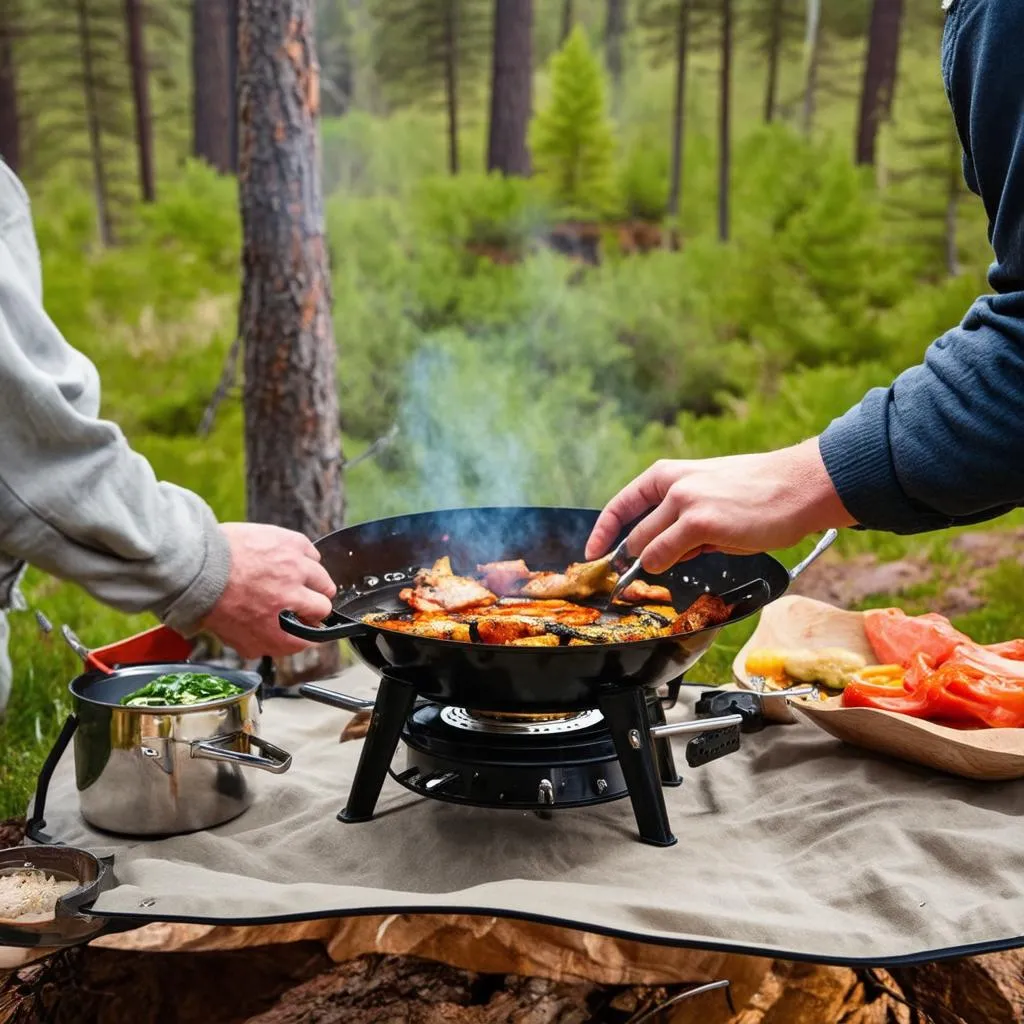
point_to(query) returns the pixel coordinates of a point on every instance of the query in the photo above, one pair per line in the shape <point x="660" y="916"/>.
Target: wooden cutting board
<point x="792" y="622"/>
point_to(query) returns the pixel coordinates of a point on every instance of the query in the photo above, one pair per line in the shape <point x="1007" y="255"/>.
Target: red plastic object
<point x="158" y="644"/>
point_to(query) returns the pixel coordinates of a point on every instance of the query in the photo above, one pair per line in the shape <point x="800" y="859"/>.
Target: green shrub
<point x="571" y="139"/>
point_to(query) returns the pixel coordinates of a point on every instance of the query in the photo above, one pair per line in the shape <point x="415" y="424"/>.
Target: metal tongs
<point x="615" y="559"/>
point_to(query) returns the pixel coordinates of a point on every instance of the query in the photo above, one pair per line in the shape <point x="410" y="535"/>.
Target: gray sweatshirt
<point x="75" y="500"/>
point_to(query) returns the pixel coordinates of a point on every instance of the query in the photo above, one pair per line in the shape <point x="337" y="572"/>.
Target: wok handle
<point x="698" y="726"/>
<point x="277" y="761"/>
<point x="335" y="699"/>
<point x="292" y="624"/>
<point x="820" y="548"/>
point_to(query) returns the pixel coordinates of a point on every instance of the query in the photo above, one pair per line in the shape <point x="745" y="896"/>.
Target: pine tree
<point x="214" y="72"/>
<point x="82" y="107"/>
<point x="571" y="140"/>
<point x="10" y="125"/>
<point x="511" y="87"/>
<point x="139" y="67"/>
<point x="671" y="29"/>
<point x="614" y="39"/>
<point x="568" y="20"/>
<point x="432" y="49"/>
<point x="334" y="45"/>
<point x="725" y="120"/>
<point x="925" y="196"/>
<point x="880" y="63"/>
<point x="828" y="24"/>
<point x="775" y="26"/>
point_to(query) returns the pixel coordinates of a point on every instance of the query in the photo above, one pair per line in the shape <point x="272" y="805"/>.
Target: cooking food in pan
<point x="924" y="667"/>
<point x="510" y="605"/>
<point x="179" y="689"/>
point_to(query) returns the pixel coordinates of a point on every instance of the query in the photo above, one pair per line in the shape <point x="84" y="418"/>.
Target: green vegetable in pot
<point x="181" y="688"/>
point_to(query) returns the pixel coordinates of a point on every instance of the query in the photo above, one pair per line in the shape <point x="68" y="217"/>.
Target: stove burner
<point x="539" y="761"/>
<point x="536" y="725"/>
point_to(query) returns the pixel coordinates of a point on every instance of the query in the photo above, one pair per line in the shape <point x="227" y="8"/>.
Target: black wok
<point x="371" y="562"/>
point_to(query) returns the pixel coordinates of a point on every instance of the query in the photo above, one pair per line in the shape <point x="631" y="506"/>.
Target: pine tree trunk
<point x="511" y="87"/>
<point x="140" y="97"/>
<point x="953" y="189"/>
<point x="679" y="107"/>
<point x="774" y="49"/>
<point x="451" y="81"/>
<point x="724" y="122"/>
<point x="813" y="44"/>
<point x="232" y="85"/>
<point x="10" y="127"/>
<point x="93" y="129"/>
<point x="567" y="21"/>
<point x="879" y="75"/>
<point x="614" y="34"/>
<point x="292" y="440"/>
<point x="214" y="72"/>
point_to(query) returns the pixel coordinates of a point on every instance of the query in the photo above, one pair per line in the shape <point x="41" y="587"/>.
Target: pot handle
<point x="335" y="699"/>
<point x="827" y="540"/>
<point x="36" y="823"/>
<point x="292" y="624"/>
<point x="277" y="761"/>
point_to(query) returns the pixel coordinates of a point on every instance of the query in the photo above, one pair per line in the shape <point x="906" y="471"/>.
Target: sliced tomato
<point x="1012" y="649"/>
<point x="896" y="637"/>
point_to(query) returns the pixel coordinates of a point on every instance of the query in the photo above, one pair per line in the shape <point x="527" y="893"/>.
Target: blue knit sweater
<point x="944" y="444"/>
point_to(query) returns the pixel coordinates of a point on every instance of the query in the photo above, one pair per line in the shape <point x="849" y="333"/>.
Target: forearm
<point x="943" y="445"/>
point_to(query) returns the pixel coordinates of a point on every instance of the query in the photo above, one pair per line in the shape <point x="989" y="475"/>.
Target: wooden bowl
<point x="799" y="622"/>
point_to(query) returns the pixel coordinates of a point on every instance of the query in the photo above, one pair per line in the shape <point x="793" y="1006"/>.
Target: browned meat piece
<point x="640" y="592"/>
<point x="504" y="578"/>
<point x="581" y="580"/>
<point x="551" y="611"/>
<point x="545" y="640"/>
<point x="504" y="629"/>
<point x="707" y="610"/>
<point x="624" y="630"/>
<point x="436" y="626"/>
<point x="576" y="642"/>
<point x="437" y="589"/>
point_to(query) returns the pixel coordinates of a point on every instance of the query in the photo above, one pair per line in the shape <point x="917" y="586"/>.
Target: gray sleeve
<point x="75" y="500"/>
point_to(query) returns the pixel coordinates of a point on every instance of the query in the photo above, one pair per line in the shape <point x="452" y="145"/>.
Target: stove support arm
<point x="629" y="722"/>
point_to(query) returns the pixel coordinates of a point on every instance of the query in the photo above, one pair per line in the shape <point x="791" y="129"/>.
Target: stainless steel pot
<point x="156" y="771"/>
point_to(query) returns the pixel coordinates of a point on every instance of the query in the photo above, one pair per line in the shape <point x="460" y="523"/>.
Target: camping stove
<point x="540" y="761"/>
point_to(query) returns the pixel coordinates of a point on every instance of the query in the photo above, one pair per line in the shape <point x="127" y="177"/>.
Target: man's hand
<point x="738" y="504"/>
<point x="271" y="569"/>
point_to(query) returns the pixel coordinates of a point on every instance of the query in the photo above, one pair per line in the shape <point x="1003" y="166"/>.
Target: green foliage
<point x="643" y="180"/>
<point x="571" y="139"/>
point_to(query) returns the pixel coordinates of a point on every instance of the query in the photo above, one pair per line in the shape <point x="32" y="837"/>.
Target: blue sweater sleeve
<point x="944" y="444"/>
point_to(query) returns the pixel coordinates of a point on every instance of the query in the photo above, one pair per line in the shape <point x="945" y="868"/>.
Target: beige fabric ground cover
<point x="796" y="846"/>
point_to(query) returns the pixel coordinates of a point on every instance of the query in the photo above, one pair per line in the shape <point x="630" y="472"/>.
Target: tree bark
<point x="10" y="127"/>
<point x="290" y="398"/>
<point x="614" y="34"/>
<point x="511" y="87"/>
<point x="774" y="49"/>
<point x="567" y="21"/>
<point x="679" y="107"/>
<point x="879" y="82"/>
<point x="92" y="118"/>
<point x="451" y="81"/>
<point x="140" y="97"/>
<point x="813" y="44"/>
<point x="214" y="75"/>
<point x="724" y="122"/>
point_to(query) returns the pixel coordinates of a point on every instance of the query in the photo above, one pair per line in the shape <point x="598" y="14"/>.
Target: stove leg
<point x="395" y="700"/>
<point x="663" y="747"/>
<point x="628" y="720"/>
